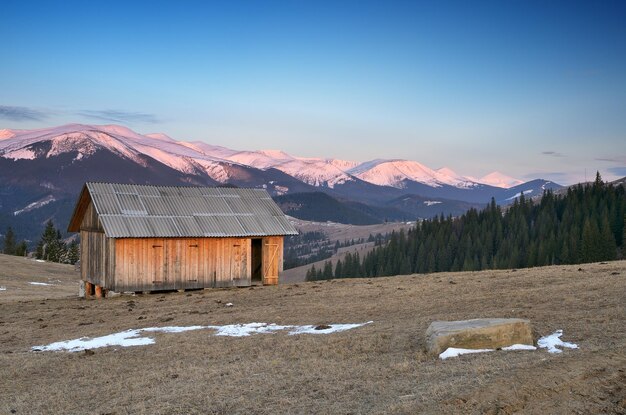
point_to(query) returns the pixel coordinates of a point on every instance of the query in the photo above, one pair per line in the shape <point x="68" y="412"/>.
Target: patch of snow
<point x="39" y="283"/>
<point x="229" y="304"/>
<point x="133" y="337"/>
<point x="332" y="328"/>
<point x="40" y="260"/>
<point x="454" y="352"/>
<point x="520" y="347"/>
<point x="3" y="288"/>
<point x="243" y="330"/>
<point x="518" y="194"/>
<point x="172" y="329"/>
<point x="553" y="340"/>
<point x="126" y="338"/>
<point x="20" y="154"/>
<point x="281" y="190"/>
<point x="35" y="205"/>
<point x="431" y="202"/>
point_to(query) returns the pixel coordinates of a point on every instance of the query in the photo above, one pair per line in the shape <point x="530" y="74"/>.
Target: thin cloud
<point x="119" y="116"/>
<point x="618" y="159"/>
<point x="13" y="113"/>
<point x="552" y="154"/>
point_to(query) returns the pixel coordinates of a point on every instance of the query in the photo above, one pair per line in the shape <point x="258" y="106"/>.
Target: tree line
<point x="587" y="224"/>
<point x="50" y="247"/>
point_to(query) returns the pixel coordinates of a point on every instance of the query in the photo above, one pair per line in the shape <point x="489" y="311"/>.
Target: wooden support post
<point x="99" y="292"/>
<point x="88" y="289"/>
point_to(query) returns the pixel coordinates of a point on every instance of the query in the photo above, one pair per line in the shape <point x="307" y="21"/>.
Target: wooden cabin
<point x="153" y="238"/>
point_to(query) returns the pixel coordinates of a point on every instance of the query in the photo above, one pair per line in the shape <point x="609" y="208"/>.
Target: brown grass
<point x="379" y="368"/>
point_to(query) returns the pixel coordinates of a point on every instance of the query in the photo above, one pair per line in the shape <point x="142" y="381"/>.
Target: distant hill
<point x="318" y="206"/>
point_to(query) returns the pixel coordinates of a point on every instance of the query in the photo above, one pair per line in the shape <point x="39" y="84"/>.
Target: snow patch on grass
<point x="39" y="283"/>
<point x="242" y="330"/>
<point x="124" y="339"/>
<point x="332" y="328"/>
<point x="520" y="347"/>
<point x="454" y="352"/>
<point x="553" y="340"/>
<point x="3" y="288"/>
<point x="134" y="337"/>
<point x="550" y="342"/>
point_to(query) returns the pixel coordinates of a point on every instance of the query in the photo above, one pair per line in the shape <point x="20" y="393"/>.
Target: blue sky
<point x="533" y="89"/>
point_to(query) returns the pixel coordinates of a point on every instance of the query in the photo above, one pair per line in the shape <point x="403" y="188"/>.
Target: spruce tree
<point x="51" y="247"/>
<point x="73" y="254"/>
<point x="21" y="249"/>
<point x="9" y="242"/>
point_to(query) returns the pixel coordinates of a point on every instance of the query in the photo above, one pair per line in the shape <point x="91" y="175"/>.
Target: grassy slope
<point x="380" y="368"/>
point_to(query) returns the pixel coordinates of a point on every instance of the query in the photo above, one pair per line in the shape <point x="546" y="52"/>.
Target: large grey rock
<point x="481" y="333"/>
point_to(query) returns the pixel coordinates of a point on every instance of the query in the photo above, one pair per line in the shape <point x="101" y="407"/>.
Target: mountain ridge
<point x="42" y="171"/>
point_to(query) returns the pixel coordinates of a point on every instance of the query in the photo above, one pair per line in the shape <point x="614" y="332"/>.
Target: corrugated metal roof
<point x="142" y="211"/>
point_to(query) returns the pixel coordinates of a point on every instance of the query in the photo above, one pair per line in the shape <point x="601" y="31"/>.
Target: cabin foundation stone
<point x="88" y="289"/>
<point x="100" y="293"/>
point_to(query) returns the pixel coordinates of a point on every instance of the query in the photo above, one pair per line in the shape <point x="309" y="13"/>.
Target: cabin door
<point x="271" y="258"/>
<point x="257" y="261"/>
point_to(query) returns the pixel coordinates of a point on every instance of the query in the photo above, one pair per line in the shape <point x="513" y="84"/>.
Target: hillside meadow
<point x="378" y="368"/>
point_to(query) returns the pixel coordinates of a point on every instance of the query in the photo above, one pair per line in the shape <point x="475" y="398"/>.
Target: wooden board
<point x="153" y="264"/>
<point x="272" y="259"/>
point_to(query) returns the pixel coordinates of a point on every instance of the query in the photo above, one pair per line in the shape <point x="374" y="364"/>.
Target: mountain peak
<point x="160" y="136"/>
<point x="498" y="179"/>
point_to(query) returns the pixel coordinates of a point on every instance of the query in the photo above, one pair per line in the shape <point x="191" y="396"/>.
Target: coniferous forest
<point x="584" y="225"/>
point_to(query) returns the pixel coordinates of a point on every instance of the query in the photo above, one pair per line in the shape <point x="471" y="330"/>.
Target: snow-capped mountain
<point x="396" y="173"/>
<point x="198" y="158"/>
<point x="41" y="171"/>
<point x="498" y="179"/>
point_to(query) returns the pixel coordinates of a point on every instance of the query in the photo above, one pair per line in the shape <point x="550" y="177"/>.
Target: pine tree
<point x="328" y="270"/>
<point x="51" y="246"/>
<point x="22" y="249"/>
<point x="339" y="269"/>
<point x="9" y="242"/>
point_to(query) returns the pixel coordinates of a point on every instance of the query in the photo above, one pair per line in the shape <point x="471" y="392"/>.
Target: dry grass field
<point x="378" y="368"/>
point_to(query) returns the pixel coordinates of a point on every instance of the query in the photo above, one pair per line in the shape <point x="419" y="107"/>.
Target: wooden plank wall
<point x="154" y="264"/>
<point x="91" y="222"/>
<point x="97" y="256"/>
<point x="272" y="259"/>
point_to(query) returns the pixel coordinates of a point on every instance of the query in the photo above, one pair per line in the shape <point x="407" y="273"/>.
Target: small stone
<point x="322" y="327"/>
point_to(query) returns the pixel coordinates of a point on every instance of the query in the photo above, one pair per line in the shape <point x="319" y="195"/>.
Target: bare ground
<point x="378" y="368"/>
